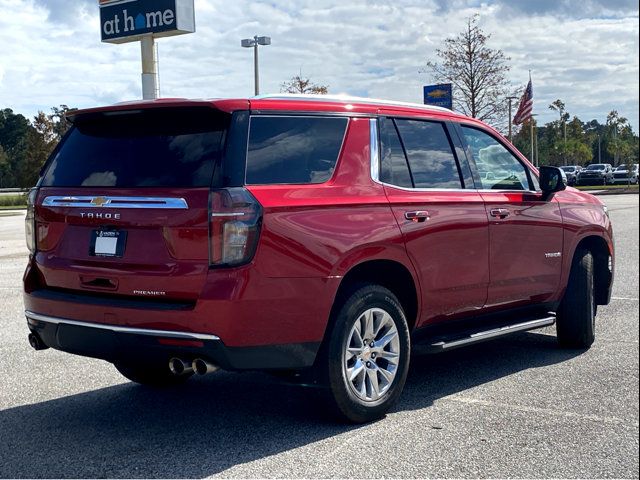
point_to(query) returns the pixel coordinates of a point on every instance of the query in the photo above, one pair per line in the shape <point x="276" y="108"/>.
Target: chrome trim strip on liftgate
<point x="85" y="201"/>
<point x="120" y="329"/>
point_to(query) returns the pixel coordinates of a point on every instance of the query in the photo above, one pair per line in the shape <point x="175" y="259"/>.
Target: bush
<point x="18" y="200"/>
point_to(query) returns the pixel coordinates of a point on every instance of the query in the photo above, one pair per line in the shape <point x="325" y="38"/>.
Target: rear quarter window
<point x="293" y="149"/>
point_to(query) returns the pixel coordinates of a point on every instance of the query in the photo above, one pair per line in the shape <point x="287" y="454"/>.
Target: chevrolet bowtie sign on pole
<point x="124" y="21"/>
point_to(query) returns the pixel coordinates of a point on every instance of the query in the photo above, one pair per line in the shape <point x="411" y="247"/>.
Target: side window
<point x="431" y="159"/>
<point x="293" y="150"/>
<point x="393" y="164"/>
<point x="497" y="167"/>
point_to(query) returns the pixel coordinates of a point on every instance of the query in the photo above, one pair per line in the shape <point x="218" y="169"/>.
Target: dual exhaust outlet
<point x="179" y="366"/>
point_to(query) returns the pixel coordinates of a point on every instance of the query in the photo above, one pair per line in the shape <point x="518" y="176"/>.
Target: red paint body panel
<point x="449" y="250"/>
<point x="166" y="250"/>
<point x="526" y="248"/>
<point x="583" y="216"/>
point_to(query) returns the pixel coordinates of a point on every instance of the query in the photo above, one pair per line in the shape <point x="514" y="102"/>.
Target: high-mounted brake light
<point x="234" y="227"/>
<point x="30" y="220"/>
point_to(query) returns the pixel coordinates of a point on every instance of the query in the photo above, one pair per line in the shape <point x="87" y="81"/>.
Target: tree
<point x="14" y="130"/>
<point x="478" y="73"/>
<point x="4" y="166"/>
<point x="560" y="107"/>
<point x="300" y="84"/>
<point x="47" y="131"/>
<point x="620" y="145"/>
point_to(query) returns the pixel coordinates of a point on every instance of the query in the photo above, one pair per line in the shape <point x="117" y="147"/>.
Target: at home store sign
<point x="128" y="20"/>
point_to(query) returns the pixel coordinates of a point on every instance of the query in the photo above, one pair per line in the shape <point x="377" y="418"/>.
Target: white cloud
<point x="50" y="51"/>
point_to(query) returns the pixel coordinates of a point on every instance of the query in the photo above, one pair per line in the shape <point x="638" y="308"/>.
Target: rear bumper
<point x="240" y="306"/>
<point x="116" y="343"/>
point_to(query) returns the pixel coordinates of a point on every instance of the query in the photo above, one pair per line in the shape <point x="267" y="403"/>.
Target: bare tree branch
<point x="477" y="72"/>
<point x="300" y="84"/>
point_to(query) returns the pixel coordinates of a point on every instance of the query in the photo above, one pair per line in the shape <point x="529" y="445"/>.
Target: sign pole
<point x="149" y="72"/>
<point x="123" y="21"/>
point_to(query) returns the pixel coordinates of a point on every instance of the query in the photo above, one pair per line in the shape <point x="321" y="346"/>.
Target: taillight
<point x="234" y="226"/>
<point x="30" y="220"/>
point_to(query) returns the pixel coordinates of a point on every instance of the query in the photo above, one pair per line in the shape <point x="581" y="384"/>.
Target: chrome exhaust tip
<point x="202" y="367"/>
<point x="36" y="342"/>
<point x="179" y="366"/>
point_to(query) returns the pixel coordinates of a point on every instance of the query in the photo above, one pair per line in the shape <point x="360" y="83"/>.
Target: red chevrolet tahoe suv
<point x="302" y="234"/>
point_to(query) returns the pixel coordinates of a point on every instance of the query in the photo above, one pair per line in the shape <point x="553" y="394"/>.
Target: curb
<point x="613" y="192"/>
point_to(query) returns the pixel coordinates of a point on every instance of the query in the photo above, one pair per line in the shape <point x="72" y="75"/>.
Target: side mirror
<point x="552" y="180"/>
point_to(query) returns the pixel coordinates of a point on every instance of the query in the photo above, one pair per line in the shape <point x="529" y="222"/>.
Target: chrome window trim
<point x="374" y="150"/>
<point x="106" y="201"/>
<point x="119" y="329"/>
<point x="488" y="190"/>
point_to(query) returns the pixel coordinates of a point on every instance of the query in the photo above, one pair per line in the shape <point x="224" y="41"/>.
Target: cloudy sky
<point x="582" y="51"/>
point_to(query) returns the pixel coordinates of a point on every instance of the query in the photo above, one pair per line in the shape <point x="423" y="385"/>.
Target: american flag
<point x="526" y="105"/>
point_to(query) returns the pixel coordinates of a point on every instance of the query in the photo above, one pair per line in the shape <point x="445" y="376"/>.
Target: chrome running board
<point x="483" y="335"/>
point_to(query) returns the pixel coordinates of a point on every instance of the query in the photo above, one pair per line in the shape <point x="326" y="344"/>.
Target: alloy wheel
<point x="371" y="355"/>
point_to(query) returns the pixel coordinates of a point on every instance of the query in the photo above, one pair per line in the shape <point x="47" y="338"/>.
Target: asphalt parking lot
<point x="516" y="407"/>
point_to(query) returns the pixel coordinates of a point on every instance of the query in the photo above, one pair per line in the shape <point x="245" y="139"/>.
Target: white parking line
<point x="624" y="298"/>
<point x="545" y="411"/>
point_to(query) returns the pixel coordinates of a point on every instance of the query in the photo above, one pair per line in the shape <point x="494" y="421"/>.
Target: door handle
<point x="499" y="212"/>
<point x="417" y="216"/>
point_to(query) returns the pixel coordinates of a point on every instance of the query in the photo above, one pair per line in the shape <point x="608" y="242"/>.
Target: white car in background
<point x="622" y="174"/>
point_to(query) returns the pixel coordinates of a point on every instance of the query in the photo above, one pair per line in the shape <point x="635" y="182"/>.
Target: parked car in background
<point x="595" y="174"/>
<point x="622" y="174"/>
<point x="572" y="172"/>
<point x="312" y="236"/>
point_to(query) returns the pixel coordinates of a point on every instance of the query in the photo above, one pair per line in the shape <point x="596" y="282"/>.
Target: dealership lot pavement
<point x="517" y="407"/>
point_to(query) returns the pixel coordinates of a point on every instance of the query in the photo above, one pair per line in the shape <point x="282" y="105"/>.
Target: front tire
<point x="367" y="355"/>
<point x="154" y="375"/>
<point x="577" y="312"/>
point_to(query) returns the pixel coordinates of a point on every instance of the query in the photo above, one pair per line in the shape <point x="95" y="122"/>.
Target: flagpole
<point x="531" y="124"/>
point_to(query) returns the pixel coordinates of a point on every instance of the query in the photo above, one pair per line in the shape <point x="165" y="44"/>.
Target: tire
<point x="577" y="312"/>
<point x="154" y="375"/>
<point x="364" y="382"/>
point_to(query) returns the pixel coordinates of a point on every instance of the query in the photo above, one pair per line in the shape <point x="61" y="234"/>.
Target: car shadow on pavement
<point x="216" y="422"/>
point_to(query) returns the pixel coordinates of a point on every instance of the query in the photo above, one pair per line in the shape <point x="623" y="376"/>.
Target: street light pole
<point x="564" y="154"/>
<point x="534" y="141"/>
<point x="256" y="75"/>
<point x="254" y="42"/>
<point x="510" y="136"/>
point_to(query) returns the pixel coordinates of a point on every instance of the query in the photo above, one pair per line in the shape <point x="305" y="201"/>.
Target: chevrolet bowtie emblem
<point x="99" y="201"/>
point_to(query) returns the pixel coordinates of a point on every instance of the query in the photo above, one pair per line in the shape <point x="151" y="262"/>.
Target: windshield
<point x="568" y="169"/>
<point x="161" y="148"/>
<point x="621" y="168"/>
<point x="596" y="166"/>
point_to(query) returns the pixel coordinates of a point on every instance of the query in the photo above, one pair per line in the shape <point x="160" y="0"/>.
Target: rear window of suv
<point x="145" y="148"/>
<point x="293" y="149"/>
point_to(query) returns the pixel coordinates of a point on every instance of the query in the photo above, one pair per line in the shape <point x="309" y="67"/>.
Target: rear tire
<point x="577" y="312"/>
<point x="155" y="375"/>
<point x="366" y="359"/>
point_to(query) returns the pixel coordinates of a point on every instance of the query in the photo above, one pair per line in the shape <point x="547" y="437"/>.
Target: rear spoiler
<point x="227" y="106"/>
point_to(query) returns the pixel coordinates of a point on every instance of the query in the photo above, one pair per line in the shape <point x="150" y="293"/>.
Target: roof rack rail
<point x="345" y="99"/>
